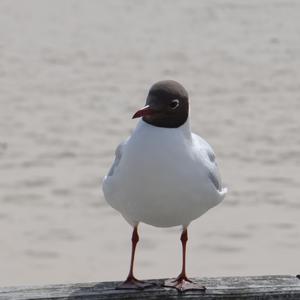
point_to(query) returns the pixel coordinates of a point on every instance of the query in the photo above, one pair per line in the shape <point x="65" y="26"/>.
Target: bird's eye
<point x="174" y="104"/>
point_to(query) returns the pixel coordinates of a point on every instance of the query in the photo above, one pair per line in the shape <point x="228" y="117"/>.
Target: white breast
<point x="161" y="177"/>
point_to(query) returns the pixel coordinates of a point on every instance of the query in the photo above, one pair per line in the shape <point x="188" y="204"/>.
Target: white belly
<point x="160" y="182"/>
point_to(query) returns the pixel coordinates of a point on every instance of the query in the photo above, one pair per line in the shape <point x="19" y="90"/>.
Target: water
<point x="72" y="73"/>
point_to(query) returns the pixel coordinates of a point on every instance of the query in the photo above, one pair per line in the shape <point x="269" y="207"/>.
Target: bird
<point x="163" y="175"/>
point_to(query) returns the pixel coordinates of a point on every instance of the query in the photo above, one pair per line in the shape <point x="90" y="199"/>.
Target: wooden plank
<point x="252" y="287"/>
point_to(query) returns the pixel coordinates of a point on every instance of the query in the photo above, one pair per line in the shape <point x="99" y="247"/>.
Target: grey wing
<point x="211" y="164"/>
<point x="118" y="156"/>
<point x="213" y="172"/>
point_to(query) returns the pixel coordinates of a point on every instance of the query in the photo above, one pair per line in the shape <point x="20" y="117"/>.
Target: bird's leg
<point x="184" y="238"/>
<point x="131" y="282"/>
<point x="182" y="283"/>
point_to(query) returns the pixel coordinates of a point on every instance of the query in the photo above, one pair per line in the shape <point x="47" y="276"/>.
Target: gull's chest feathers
<point x="154" y="152"/>
<point x="161" y="178"/>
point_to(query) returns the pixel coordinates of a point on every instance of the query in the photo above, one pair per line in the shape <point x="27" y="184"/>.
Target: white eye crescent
<point x="174" y="104"/>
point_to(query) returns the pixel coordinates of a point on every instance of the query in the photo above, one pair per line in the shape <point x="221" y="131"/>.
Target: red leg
<point x="182" y="283"/>
<point x="131" y="282"/>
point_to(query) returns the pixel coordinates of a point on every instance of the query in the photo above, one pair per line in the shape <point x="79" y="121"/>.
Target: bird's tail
<point x="223" y="192"/>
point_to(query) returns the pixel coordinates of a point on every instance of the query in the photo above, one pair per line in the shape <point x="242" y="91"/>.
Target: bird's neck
<point x="185" y="128"/>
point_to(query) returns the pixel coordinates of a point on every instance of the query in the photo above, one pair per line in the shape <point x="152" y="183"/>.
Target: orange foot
<point x="131" y="283"/>
<point x="183" y="284"/>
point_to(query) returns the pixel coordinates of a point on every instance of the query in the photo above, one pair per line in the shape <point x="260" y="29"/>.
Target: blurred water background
<point x="72" y="73"/>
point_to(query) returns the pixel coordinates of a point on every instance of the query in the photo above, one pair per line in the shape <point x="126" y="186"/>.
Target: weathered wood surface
<point x="253" y="287"/>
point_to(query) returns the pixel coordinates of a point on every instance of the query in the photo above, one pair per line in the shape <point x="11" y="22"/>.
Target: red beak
<point x="146" y="110"/>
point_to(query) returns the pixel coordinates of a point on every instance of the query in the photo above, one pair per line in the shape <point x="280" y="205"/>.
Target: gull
<point x="163" y="174"/>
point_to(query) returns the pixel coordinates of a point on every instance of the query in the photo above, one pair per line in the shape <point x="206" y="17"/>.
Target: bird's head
<point x="166" y="106"/>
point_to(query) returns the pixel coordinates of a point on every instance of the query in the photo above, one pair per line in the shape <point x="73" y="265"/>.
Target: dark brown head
<point x="167" y="105"/>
